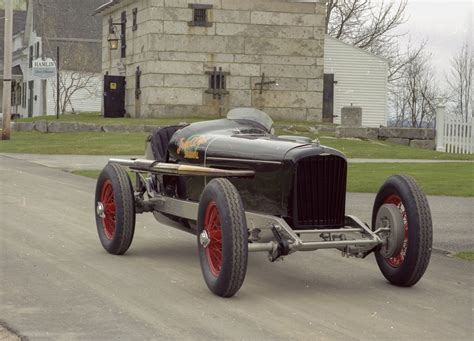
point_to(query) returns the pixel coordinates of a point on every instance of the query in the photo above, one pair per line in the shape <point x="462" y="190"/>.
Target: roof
<point x="19" y="20"/>
<point x="106" y="6"/>
<point x="67" y="19"/>
<point x="328" y="37"/>
<point x="71" y="25"/>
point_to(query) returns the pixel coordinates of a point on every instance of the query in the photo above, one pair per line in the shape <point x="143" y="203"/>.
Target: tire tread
<point x="125" y="209"/>
<point x="417" y="260"/>
<point x="234" y="266"/>
<point x="425" y="233"/>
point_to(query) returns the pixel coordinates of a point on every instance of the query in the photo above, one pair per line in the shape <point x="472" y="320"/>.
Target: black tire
<point x="220" y="197"/>
<point x="116" y="226"/>
<point x="407" y="268"/>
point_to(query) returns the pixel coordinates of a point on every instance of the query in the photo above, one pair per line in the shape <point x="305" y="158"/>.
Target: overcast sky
<point x="446" y="24"/>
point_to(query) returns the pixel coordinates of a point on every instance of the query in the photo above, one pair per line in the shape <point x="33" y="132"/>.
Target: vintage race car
<point x="239" y="189"/>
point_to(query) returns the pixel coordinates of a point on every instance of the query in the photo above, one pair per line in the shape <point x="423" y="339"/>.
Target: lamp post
<point x="113" y="39"/>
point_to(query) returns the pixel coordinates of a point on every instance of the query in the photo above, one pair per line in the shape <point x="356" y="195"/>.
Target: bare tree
<point x="460" y="82"/>
<point x="363" y="23"/>
<point x="415" y="95"/>
<point x="371" y="25"/>
<point x="374" y="26"/>
<point x="75" y="76"/>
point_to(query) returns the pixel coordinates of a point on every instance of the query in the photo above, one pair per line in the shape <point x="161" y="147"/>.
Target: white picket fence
<point x="454" y="134"/>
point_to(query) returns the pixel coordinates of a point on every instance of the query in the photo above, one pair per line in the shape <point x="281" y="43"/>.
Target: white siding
<point x="361" y="81"/>
<point x="84" y="100"/>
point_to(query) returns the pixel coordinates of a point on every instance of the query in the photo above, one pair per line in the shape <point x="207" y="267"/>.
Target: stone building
<point x="204" y="57"/>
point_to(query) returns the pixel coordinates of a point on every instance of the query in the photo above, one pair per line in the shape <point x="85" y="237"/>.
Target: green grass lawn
<point x="451" y="179"/>
<point x="119" y="144"/>
<point x="466" y="255"/>
<point x="372" y="149"/>
<point x="454" y="179"/>
<point x="75" y="143"/>
<point x="133" y="144"/>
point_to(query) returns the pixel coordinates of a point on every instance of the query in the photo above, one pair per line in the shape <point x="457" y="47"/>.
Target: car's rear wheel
<point x="407" y="264"/>
<point x="115" y="209"/>
<point x="222" y="238"/>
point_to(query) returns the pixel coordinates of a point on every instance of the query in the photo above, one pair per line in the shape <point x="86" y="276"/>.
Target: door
<point x="328" y="98"/>
<point x="114" y="96"/>
<point x="31" y="97"/>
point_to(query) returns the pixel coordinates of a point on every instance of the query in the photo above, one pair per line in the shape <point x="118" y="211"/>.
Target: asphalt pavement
<point x="56" y="281"/>
<point x="453" y="215"/>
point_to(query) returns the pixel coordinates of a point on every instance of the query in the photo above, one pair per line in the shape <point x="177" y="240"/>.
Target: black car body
<point x="240" y="188"/>
<point x="295" y="178"/>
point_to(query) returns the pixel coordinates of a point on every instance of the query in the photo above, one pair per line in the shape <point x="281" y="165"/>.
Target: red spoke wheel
<point x="212" y="225"/>
<point x="409" y="263"/>
<point x="115" y="209"/>
<point x="108" y="209"/>
<point x="222" y="238"/>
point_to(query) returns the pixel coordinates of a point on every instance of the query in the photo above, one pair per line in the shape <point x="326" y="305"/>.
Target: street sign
<point x="44" y="68"/>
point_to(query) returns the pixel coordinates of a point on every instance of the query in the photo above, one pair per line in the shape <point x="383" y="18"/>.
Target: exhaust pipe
<point x="182" y="170"/>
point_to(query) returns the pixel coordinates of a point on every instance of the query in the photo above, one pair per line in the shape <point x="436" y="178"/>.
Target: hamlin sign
<point x="44" y="68"/>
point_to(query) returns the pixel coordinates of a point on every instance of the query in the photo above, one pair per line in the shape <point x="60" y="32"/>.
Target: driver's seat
<point x="160" y="140"/>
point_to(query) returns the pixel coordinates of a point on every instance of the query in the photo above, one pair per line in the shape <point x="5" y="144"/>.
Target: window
<point x="31" y="57"/>
<point x="135" y="22"/>
<point x="138" y="88"/>
<point x="217" y="83"/>
<point x="123" y="49"/>
<point x="37" y="50"/>
<point x="200" y="15"/>
<point x="18" y="95"/>
<point x="23" y="99"/>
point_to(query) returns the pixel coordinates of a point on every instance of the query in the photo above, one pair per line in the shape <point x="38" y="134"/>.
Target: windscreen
<point x="252" y="114"/>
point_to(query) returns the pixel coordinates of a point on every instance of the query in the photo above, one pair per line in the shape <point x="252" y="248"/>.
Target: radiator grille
<point x="320" y="196"/>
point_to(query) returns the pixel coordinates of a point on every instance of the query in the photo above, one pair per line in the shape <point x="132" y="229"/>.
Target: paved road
<point x="57" y="283"/>
<point x="453" y="215"/>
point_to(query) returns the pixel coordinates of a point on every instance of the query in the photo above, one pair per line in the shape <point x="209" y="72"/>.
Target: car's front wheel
<point x="406" y="263"/>
<point x="222" y="238"/>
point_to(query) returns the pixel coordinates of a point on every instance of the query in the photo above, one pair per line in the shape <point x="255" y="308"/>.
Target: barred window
<point x="217" y="83"/>
<point x="200" y="15"/>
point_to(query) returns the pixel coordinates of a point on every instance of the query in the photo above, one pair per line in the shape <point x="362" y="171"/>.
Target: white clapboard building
<point x="360" y="80"/>
<point x="38" y="32"/>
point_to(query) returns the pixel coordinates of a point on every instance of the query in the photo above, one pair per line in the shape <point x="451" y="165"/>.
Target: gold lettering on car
<point x="189" y="147"/>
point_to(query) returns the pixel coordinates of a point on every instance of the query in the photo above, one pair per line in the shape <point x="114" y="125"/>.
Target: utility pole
<point x="7" y="70"/>
<point x="58" y="91"/>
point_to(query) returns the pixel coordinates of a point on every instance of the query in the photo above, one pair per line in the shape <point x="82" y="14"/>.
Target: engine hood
<point x="227" y="139"/>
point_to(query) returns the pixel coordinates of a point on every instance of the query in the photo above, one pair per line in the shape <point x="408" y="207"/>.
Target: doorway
<point x="114" y="96"/>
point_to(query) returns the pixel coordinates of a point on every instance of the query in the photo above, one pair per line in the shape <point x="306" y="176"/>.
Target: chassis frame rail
<point x="356" y="239"/>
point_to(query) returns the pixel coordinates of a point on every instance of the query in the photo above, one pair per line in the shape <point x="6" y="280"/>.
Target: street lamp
<point x="113" y="39"/>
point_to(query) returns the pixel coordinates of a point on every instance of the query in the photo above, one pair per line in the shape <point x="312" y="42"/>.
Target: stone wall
<point x="74" y="127"/>
<point x="414" y="137"/>
<point x="246" y="38"/>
